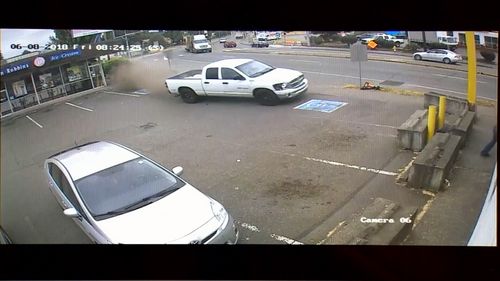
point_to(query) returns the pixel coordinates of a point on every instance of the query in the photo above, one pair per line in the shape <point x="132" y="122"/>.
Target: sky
<point x="23" y="37"/>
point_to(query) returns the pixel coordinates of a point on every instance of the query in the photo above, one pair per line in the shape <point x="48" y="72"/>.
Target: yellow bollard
<point x="471" y="69"/>
<point x="431" y="122"/>
<point x="442" y="112"/>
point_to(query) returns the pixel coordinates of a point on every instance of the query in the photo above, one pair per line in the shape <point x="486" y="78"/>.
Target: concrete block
<point x="433" y="164"/>
<point x="464" y="126"/>
<point x="356" y="232"/>
<point x="412" y="134"/>
<point x="454" y="105"/>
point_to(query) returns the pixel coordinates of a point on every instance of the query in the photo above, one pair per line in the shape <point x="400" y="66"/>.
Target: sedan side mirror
<point x="178" y="170"/>
<point x="71" y="212"/>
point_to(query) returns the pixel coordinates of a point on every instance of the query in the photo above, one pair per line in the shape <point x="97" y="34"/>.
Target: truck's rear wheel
<point x="188" y="95"/>
<point x="266" y="97"/>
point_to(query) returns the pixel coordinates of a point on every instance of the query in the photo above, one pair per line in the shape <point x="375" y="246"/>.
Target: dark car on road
<point x="229" y="44"/>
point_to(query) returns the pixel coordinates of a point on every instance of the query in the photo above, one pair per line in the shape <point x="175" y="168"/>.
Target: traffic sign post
<point x="359" y="54"/>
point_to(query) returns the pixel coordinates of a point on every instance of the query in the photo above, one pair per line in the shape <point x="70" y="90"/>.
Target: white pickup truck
<point x="238" y="78"/>
<point x="397" y="41"/>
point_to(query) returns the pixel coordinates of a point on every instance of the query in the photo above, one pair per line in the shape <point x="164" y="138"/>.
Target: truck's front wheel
<point x="266" y="97"/>
<point x="188" y="95"/>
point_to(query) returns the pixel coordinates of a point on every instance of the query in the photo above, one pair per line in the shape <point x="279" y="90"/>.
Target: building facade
<point x="38" y="77"/>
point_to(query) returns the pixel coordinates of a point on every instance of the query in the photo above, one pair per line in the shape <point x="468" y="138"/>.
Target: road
<point x="279" y="171"/>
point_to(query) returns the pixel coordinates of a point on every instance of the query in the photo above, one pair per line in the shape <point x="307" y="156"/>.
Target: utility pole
<point x="424" y="40"/>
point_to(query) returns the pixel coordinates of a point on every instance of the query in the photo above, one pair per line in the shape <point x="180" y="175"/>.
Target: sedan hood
<point x="278" y="75"/>
<point x="179" y="217"/>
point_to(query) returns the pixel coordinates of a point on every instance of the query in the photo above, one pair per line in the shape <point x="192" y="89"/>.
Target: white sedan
<point x="118" y="196"/>
<point x="222" y="40"/>
<point x="440" y="55"/>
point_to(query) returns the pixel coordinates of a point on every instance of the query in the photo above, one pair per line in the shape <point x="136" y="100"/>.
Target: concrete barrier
<point x="412" y="134"/>
<point x="454" y="105"/>
<point x="433" y="164"/>
<point x="463" y="126"/>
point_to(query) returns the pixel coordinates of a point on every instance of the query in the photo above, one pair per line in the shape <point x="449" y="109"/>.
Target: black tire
<point x="418" y="57"/>
<point x="447" y="60"/>
<point x="188" y="95"/>
<point x="266" y="97"/>
<point x="397" y="44"/>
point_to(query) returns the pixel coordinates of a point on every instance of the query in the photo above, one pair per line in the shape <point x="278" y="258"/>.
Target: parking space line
<point x="376" y="171"/>
<point x="36" y="123"/>
<point x="286" y="239"/>
<point x="250" y="227"/>
<point x="122" y="94"/>
<point x="310" y="61"/>
<point x="80" y="107"/>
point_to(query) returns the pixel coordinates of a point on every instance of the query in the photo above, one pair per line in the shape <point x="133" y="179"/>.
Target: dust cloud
<point x="139" y="74"/>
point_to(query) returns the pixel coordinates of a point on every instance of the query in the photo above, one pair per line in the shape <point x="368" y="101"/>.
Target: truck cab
<point x="198" y="44"/>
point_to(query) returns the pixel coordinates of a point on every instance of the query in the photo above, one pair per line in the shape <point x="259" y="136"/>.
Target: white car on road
<point x="118" y="196"/>
<point x="440" y="55"/>
<point x="238" y="78"/>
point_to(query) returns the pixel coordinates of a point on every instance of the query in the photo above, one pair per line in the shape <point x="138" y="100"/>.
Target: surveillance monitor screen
<point x="248" y="137"/>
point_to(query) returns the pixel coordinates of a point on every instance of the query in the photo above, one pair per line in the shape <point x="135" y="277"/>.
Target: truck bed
<point x="191" y="74"/>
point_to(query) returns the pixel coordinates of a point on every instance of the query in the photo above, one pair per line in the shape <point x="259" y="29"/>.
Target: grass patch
<point x="397" y="91"/>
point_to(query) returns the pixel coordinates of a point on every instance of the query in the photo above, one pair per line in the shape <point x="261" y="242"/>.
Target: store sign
<point x="13" y="68"/>
<point x="39" y="62"/>
<point x="68" y="54"/>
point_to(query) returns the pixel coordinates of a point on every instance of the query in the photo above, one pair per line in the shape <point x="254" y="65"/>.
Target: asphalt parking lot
<point x="281" y="172"/>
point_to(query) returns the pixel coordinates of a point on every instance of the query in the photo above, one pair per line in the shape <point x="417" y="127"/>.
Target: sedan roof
<point x="90" y="158"/>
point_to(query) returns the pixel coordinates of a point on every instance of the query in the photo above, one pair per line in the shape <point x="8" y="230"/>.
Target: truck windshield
<point x="254" y="68"/>
<point x="200" y="41"/>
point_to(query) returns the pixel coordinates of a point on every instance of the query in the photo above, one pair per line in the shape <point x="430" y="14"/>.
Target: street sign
<point x="372" y="44"/>
<point x="358" y="52"/>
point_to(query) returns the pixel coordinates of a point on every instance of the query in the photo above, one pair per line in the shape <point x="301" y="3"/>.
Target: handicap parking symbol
<point x="321" y="105"/>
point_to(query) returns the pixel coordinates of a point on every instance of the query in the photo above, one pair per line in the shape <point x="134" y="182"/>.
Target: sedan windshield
<point x="125" y="187"/>
<point x="254" y="68"/>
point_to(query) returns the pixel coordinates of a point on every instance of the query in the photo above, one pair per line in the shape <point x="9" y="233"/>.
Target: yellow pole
<point x="431" y="122"/>
<point x="442" y="111"/>
<point x="471" y="67"/>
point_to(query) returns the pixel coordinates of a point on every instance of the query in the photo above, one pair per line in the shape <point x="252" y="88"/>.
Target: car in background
<point x="118" y="196"/>
<point x="222" y="40"/>
<point x="4" y="238"/>
<point x="229" y="44"/>
<point x="441" y="55"/>
<point x="239" y="36"/>
<point x="260" y="43"/>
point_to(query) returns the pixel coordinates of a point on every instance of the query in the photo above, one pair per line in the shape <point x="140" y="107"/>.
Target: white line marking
<point x="285" y="239"/>
<point x="250" y="227"/>
<point x="34" y="121"/>
<point x="122" y="94"/>
<point x="454" y="77"/>
<point x="439" y="89"/>
<point x="77" y="106"/>
<point x="306" y="61"/>
<point x="197" y="61"/>
<point x="425" y="208"/>
<point x="339" y="75"/>
<point x="353" y="166"/>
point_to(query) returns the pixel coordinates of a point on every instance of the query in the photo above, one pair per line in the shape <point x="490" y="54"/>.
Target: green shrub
<point x="382" y="43"/>
<point x="316" y="40"/>
<point x="349" y="39"/>
<point x="109" y="65"/>
<point x="411" y="48"/>
<point x="488" y="55"/>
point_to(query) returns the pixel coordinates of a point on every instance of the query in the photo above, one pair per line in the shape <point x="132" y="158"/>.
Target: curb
<point x="346" y="56"/>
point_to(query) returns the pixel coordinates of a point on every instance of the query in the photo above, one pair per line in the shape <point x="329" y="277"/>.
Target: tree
<point x="62" y="36"/>
<point x="1" y="56"/>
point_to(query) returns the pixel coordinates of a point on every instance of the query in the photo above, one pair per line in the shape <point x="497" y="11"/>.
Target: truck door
<point x="234" y="83"/>
<point x="211" y="83"/>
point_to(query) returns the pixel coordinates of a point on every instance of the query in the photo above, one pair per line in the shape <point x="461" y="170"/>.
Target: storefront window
<point x="4" y="102"/>
<point x="49" y="84"/>
<point x="21" y="92"/>
<point x="76" y="77"/>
